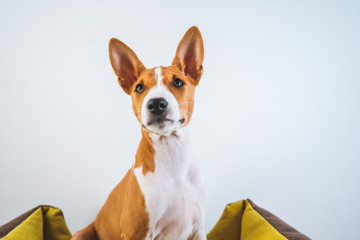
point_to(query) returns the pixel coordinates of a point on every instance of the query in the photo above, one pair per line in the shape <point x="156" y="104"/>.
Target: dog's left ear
<point x="190" y="55"/>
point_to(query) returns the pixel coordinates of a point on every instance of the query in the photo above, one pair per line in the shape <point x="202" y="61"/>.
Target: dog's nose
<point x="157" y="105"/>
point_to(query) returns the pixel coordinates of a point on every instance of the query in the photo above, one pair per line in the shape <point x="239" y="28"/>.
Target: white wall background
<point x="276" y="118"/>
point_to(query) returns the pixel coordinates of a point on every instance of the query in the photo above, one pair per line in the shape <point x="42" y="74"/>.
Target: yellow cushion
<point x="255" y="227"/>
<point x="229" y="225"/>
<point x="244" y="220"/>
<point x="44" y="223"/>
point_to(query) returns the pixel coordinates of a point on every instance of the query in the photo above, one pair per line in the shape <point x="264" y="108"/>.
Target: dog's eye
<point x="177" y="83"/>
<point x="139" y="88"/>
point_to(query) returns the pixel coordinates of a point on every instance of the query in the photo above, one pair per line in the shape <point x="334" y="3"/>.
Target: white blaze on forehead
<point x="158" y="76"/>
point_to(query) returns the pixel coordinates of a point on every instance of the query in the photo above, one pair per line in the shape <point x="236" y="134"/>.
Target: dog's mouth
<point x="162" y="125"/>
<point x="163" y="120"/>
<point x="160" y="121"/>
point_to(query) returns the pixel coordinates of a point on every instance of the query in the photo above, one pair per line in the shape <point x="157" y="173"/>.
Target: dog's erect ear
<point x="125" y="63"/>
<point x="190" y="54"/>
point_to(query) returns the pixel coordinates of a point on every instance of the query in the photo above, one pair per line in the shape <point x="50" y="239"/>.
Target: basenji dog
<point x="163" y="195"/>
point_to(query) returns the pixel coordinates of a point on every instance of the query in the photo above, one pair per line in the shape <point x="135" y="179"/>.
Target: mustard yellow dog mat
<point x="244" y="220"/>
<point x="40" y="223"/>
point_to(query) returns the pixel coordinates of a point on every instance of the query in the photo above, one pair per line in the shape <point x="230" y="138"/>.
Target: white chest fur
<point x="175" y="194"/>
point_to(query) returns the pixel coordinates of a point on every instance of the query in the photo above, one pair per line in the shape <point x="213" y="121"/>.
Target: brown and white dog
<point x="163" y="195"/>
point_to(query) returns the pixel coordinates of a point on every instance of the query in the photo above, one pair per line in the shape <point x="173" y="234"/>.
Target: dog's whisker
<point x="184" y="103"/>
<point x="184" y="111"/>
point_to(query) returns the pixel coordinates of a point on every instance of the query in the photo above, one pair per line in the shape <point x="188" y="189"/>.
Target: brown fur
<point x="124" y="215"/>
<point x="145" y="154"/>
<point x="147" y="77"/>
<point x="124" y="209"/>
<point x="183" y="95"/>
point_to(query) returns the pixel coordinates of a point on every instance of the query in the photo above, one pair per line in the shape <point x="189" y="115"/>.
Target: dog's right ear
<point x="125" y="63"/>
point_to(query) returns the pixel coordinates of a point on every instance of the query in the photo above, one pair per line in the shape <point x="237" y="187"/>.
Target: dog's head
<point x="162" y="97"/>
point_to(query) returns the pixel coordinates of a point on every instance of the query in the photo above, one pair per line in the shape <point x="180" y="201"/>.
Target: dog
<point x="163" y="195"/>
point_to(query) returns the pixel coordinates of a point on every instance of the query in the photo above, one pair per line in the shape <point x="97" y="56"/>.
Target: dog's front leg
<point x="202" y="235"/>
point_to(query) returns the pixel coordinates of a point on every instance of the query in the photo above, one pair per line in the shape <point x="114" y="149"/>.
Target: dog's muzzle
<point x="158" y="109"/>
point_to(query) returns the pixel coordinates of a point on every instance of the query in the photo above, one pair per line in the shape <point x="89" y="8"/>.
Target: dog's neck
<point x="173" y="152"/>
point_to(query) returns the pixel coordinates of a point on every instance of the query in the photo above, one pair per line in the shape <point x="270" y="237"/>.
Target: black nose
<point x="157" y="105"/>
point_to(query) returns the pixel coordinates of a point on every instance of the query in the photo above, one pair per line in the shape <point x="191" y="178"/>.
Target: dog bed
<point x="40" y="223"/>
<point x="241" y="220"/>
<point x="244" y="220"/>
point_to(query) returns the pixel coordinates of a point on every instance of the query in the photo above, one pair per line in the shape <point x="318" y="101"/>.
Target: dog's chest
<point x="174" y="193"/>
